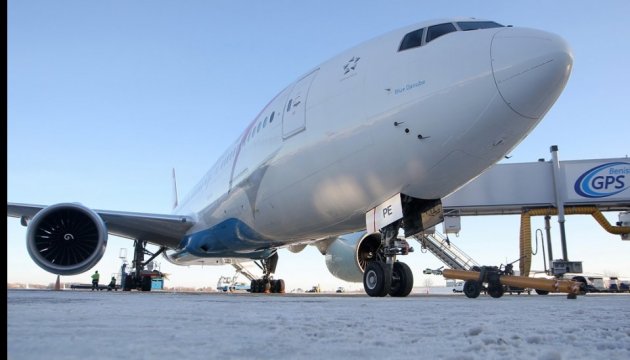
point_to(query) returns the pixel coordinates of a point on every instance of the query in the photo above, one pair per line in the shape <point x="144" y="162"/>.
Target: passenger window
<point x="411" y="40"/>
<point x="436" y="31"/>
<point x="265" y="123"/>
<point x="475" y="25"/>
<point x="289" y="105"/>
<point x="260" y="123"/>
<point x="271" y="117"/>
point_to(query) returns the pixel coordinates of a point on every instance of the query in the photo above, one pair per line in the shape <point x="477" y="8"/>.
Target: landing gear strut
<point x="140" y="278"/>
<point x="385" y="275"/>
<point x="267" y="284"/>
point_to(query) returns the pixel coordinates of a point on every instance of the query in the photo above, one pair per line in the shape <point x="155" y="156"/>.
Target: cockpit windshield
<point x="436" y="31"/>
<point x="476" y="25"/>
<point x="423" y="36"/>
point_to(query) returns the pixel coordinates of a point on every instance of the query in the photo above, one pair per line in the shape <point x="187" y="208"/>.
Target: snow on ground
<point x="79" y="324"/>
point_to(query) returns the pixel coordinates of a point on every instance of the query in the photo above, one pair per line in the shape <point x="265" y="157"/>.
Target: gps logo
<point x="604" y="180"/>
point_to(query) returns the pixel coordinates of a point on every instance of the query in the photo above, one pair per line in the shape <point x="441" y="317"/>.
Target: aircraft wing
<point x="163" y="230"/>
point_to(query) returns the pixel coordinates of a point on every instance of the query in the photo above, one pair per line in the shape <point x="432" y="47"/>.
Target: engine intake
<point x="348" y="255"/>
<point x="66" y="239"/>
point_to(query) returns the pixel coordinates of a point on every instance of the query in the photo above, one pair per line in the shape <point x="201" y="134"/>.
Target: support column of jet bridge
<point x="558" y="185"/>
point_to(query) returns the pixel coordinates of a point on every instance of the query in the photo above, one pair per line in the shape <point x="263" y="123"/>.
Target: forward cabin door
<point x="294" y="114"/>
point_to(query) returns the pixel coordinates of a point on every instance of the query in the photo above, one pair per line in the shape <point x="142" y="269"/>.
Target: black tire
<point x="377" y="279"/>
<point x="253" y="287"/>
<point x="146" y="283"/>
<point x="496" y="290"/>
<point x="128" y="283"/>
<point x="402" y="280"/>
<point x="472" y="289"/>
<point x="280" y="286"/>
<point x="542" y="292"/>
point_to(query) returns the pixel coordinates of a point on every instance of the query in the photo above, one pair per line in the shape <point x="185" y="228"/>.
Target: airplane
<point x="359" y="148"/>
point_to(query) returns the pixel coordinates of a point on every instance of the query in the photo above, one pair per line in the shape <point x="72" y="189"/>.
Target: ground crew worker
<point x="112" y="284"/>
<point x="95" y="278"/>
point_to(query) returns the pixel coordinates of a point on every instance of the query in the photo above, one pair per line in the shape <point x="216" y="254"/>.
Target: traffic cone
<point x="58" y="283"/>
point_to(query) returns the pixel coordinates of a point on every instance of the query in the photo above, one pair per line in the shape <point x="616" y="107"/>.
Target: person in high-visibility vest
<point x="95" y="278"/>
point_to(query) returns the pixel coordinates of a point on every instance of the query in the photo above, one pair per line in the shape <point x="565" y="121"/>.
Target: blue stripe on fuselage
<point x="230" y="238"/>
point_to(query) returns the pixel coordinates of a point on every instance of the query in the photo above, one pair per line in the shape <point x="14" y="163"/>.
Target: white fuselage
<point x="368" y="124"/>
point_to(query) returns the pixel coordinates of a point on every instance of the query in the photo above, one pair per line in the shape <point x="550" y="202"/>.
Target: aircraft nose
<point x="530" y="68"/>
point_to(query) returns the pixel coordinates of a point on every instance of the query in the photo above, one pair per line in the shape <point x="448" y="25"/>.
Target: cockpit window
<point x="414" y="38"/>
<point x="476" y="25"/>
<point x="436" y="31"/>
<point x="411" y="40"/>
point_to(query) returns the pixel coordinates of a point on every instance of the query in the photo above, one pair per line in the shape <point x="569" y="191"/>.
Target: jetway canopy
<point x="510" y="188"/>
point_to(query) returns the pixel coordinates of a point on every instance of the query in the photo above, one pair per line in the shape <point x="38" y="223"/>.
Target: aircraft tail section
<point x="175" y="199"/>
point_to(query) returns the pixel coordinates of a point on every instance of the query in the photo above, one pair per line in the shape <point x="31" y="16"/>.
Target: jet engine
<point x="347" y="255"/>
<point x="66" y="239"/>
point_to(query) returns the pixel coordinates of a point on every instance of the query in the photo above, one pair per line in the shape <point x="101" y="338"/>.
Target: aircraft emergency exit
<point x="371" y="139"/>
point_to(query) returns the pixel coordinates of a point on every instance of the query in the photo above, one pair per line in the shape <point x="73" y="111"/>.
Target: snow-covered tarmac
<point x="79" y="324"/>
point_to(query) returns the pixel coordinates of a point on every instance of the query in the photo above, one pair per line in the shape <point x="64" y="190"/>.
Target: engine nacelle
<point x="66" y="239"/>
<point x="347" y="255"/>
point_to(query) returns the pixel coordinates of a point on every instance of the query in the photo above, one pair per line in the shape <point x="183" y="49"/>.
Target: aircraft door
<point x="294" y="114"/>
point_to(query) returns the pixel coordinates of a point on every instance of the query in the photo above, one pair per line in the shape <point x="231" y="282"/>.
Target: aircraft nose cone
<point x="530" y="68"/>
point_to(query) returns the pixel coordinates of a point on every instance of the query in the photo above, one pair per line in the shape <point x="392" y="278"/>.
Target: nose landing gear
<point x="384" y="275"/>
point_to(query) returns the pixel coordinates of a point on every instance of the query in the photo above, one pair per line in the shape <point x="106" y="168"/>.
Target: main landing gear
<point x="385" y="275"/>
<point x="140" y="278"/>
<point x="267" y="284"/>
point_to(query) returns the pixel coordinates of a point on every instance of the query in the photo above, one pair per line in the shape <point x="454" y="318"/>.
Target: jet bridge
<point x="539" y="188"/>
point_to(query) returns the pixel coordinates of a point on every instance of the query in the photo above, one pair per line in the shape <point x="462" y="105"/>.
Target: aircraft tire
<point x="402" y="280"/>
<point x="377" y="279"/>
<point x="277" y="286"/>
<point x="128" y="283"/>
<point x="146" y="283"/>
<point x="257" y="286"/>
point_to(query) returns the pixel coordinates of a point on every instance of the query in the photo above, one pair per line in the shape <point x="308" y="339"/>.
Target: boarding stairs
<point x="241" y="269"/>
<point x="445" y="250"/>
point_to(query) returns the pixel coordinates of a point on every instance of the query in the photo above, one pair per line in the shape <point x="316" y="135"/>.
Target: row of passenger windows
<point x="416" y="37"/>
<point x="261" y="125"/>
<point x="255" y="130"/>
<point x="228" y="158"/>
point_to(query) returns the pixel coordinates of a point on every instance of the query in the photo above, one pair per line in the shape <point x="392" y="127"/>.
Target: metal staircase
<point x="446" y="251"/>
<point x="240" y="269"/>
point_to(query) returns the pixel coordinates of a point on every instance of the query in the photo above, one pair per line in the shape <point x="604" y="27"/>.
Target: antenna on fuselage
<point x="175" y="201"/>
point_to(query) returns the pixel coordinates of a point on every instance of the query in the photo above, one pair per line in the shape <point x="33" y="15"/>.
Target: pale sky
<point x="105" y="98"/>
